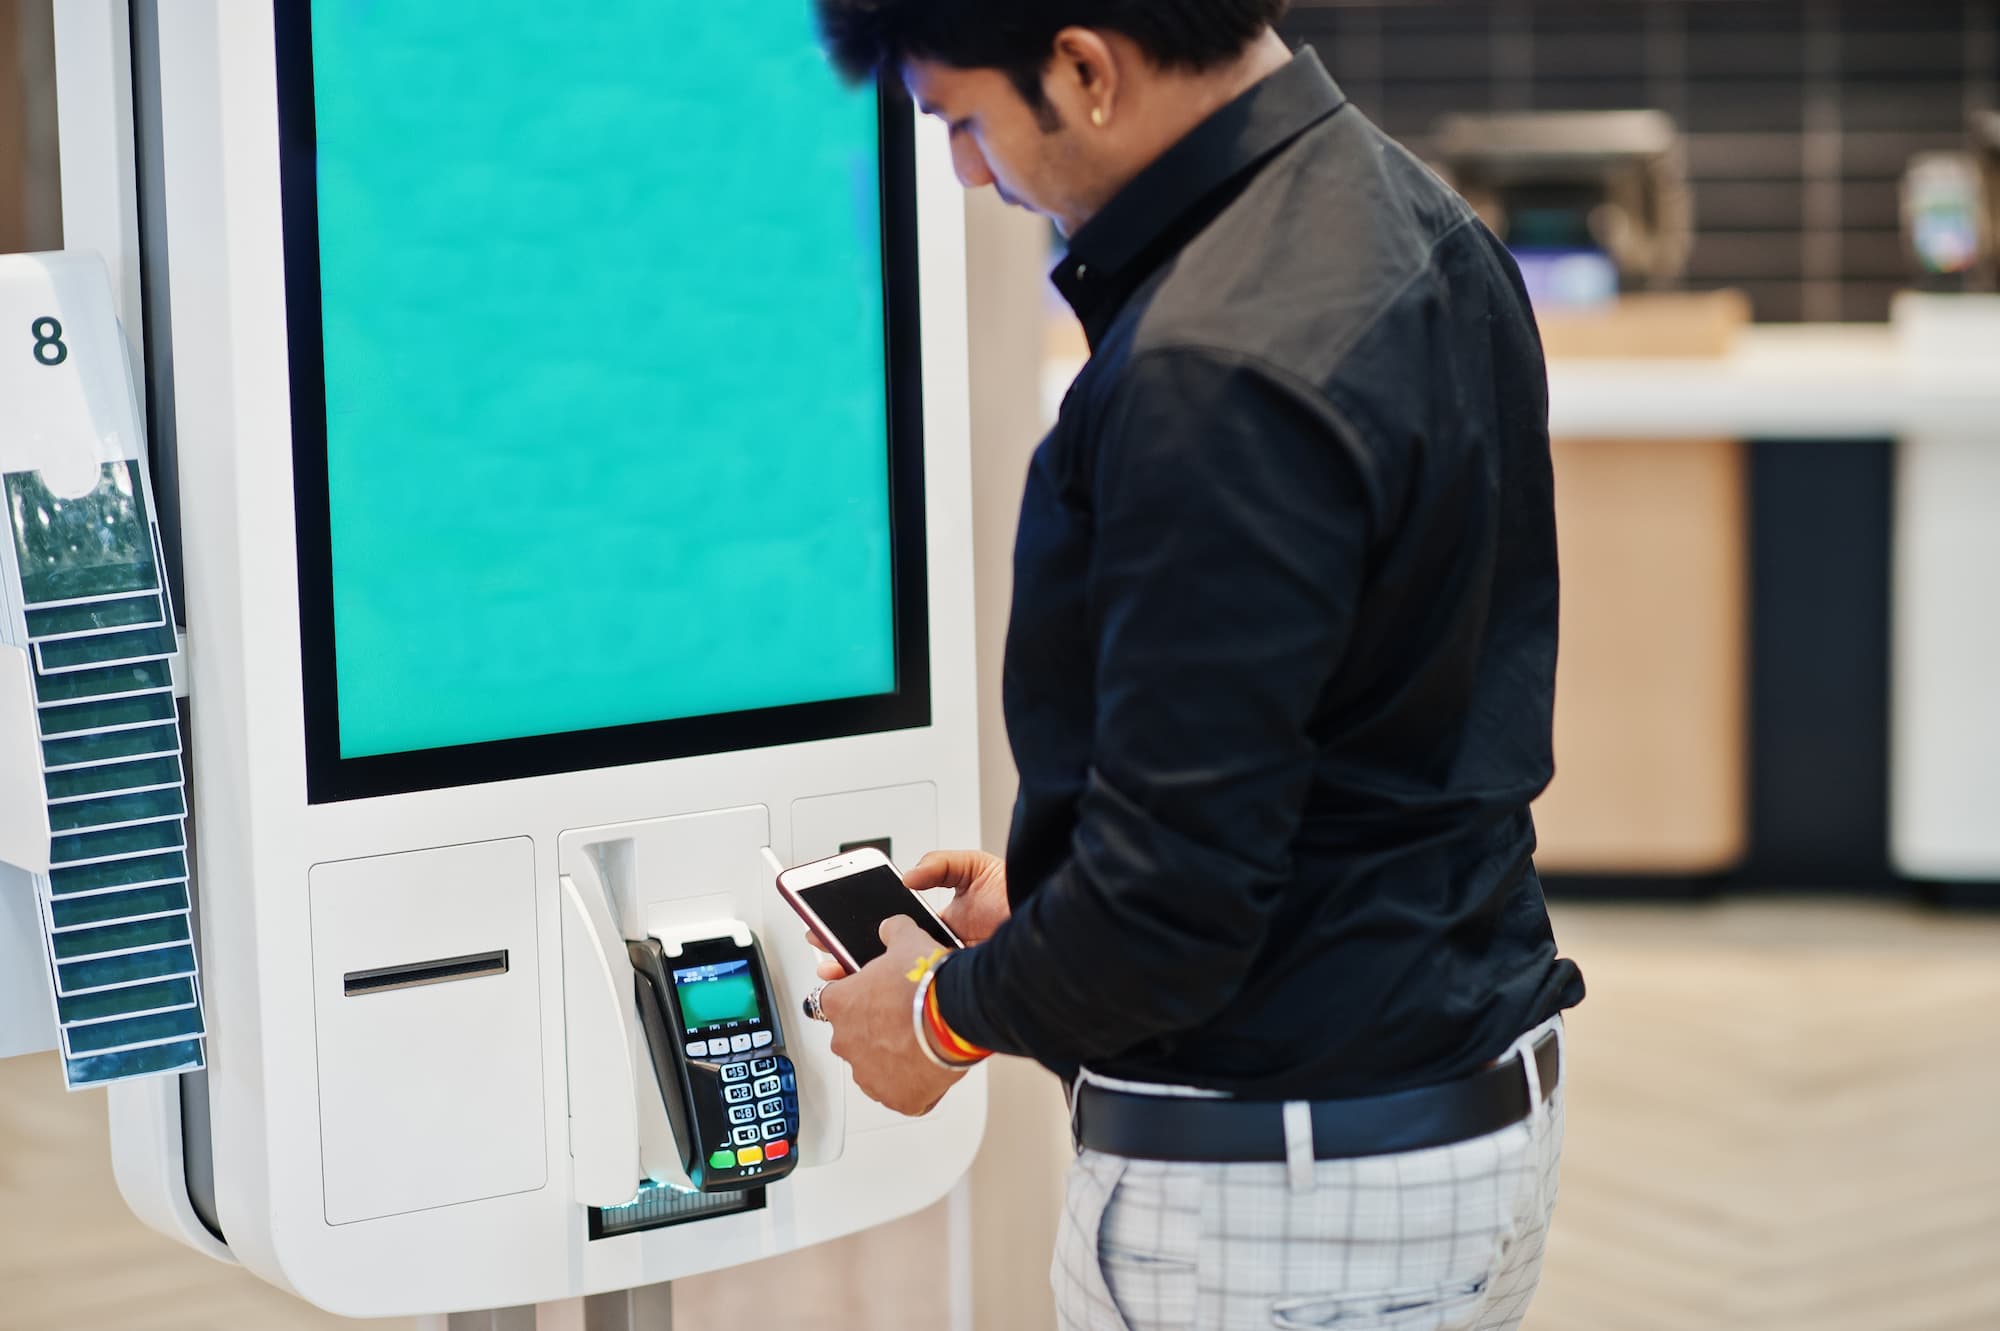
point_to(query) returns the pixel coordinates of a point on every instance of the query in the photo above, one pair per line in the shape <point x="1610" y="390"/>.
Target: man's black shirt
<point x="1282" y="657"/>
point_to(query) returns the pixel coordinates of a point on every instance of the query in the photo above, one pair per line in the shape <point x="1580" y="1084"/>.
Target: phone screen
<point x="853" y="909"/>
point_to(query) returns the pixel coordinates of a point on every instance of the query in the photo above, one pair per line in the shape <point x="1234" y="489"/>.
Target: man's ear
<point x="1084" y="76"/>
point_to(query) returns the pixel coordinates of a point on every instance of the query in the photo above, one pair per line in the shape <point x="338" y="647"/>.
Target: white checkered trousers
<point x="1444" y="1239"/>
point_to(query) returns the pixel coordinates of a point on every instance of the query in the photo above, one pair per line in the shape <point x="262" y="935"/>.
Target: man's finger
<point x="813" y="938"/>
<point x="954" y="869"/>
<point x="933" y="870"/>
<point x="895" y="926"/>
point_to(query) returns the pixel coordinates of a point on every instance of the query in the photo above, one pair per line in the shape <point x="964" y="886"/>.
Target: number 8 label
<point x="49" y="346"/>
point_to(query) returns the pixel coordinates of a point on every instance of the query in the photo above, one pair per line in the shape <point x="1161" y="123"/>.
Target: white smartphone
<point x="845" y="898"/>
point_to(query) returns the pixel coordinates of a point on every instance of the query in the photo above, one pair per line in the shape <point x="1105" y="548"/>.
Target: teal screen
<point x="713" y="995"/>
<point x="606" y="411"/>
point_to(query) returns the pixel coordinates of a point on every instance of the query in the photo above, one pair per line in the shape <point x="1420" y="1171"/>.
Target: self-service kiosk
<point x="555" y="430"/>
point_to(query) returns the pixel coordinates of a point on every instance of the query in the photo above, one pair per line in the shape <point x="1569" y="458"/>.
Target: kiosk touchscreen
<point x="563" y="415"/>
<point x="598" y="451"/>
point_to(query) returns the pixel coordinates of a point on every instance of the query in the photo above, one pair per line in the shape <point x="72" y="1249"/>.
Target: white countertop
<point x="1782" y="381"/>
<point x="1797" y="381"/>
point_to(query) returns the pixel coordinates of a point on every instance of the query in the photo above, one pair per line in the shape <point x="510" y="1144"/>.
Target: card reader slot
<point x="653" y="991"/>
<point x="384" y="979"/>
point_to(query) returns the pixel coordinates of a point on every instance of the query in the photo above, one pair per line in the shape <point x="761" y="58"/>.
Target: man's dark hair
<point x="1018" y="37"/>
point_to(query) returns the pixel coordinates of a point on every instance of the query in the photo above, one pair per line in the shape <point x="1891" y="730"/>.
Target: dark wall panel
<point x="1820" y="519"/>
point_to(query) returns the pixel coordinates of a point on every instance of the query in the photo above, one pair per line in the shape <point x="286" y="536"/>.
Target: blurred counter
<point x="1782" y="381"/>
<point x="1765" y="643"/>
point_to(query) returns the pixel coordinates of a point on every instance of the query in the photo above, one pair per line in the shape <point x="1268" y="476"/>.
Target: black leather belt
<point x="1159" y="1127"/>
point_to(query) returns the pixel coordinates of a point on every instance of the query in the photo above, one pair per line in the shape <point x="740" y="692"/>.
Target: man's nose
<point x="973" y="173"/>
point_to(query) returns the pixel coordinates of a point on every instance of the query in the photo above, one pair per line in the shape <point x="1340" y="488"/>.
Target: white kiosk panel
<point x="639" y="514"/>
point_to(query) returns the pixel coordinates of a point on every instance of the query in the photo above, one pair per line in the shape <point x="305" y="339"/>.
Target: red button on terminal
<point x="777" y="1150"/>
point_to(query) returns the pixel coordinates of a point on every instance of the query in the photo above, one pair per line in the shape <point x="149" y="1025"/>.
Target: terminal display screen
<point x="604" y="385"/>
<point x="723" y="994"/>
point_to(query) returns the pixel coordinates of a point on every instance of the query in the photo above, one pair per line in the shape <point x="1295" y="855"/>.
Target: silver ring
<point x="813" y="1012"/>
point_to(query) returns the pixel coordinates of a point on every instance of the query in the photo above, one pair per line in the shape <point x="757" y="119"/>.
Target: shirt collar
<point x="1145" y="221"/>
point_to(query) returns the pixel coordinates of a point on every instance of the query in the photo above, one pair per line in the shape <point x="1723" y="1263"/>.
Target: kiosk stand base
<point x="647" y="1309"/>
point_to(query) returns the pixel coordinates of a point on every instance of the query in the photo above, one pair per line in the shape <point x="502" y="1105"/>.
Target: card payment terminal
<point x="719" y="1054"/>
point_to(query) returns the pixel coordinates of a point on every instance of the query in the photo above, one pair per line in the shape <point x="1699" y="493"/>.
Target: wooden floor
<point x="1782" y="1116"/>
<point x="72" y="1258"/>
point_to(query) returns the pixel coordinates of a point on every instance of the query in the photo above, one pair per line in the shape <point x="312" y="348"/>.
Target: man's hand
<point x="873" y="1029"/>
<point x="979" y="885"/>
<point x="979" y="906"/>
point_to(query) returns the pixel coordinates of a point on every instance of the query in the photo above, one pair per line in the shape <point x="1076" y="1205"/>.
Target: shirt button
<point x="1082" y="272"/>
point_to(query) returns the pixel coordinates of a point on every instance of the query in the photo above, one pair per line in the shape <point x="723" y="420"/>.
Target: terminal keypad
<point x="761" y="1095"/>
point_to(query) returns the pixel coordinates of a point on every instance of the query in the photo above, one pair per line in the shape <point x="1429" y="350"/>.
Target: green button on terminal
<point x="722" y="1160"/>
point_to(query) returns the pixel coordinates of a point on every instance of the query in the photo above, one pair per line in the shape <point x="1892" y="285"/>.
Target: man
<point x="1278" y="682"/>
